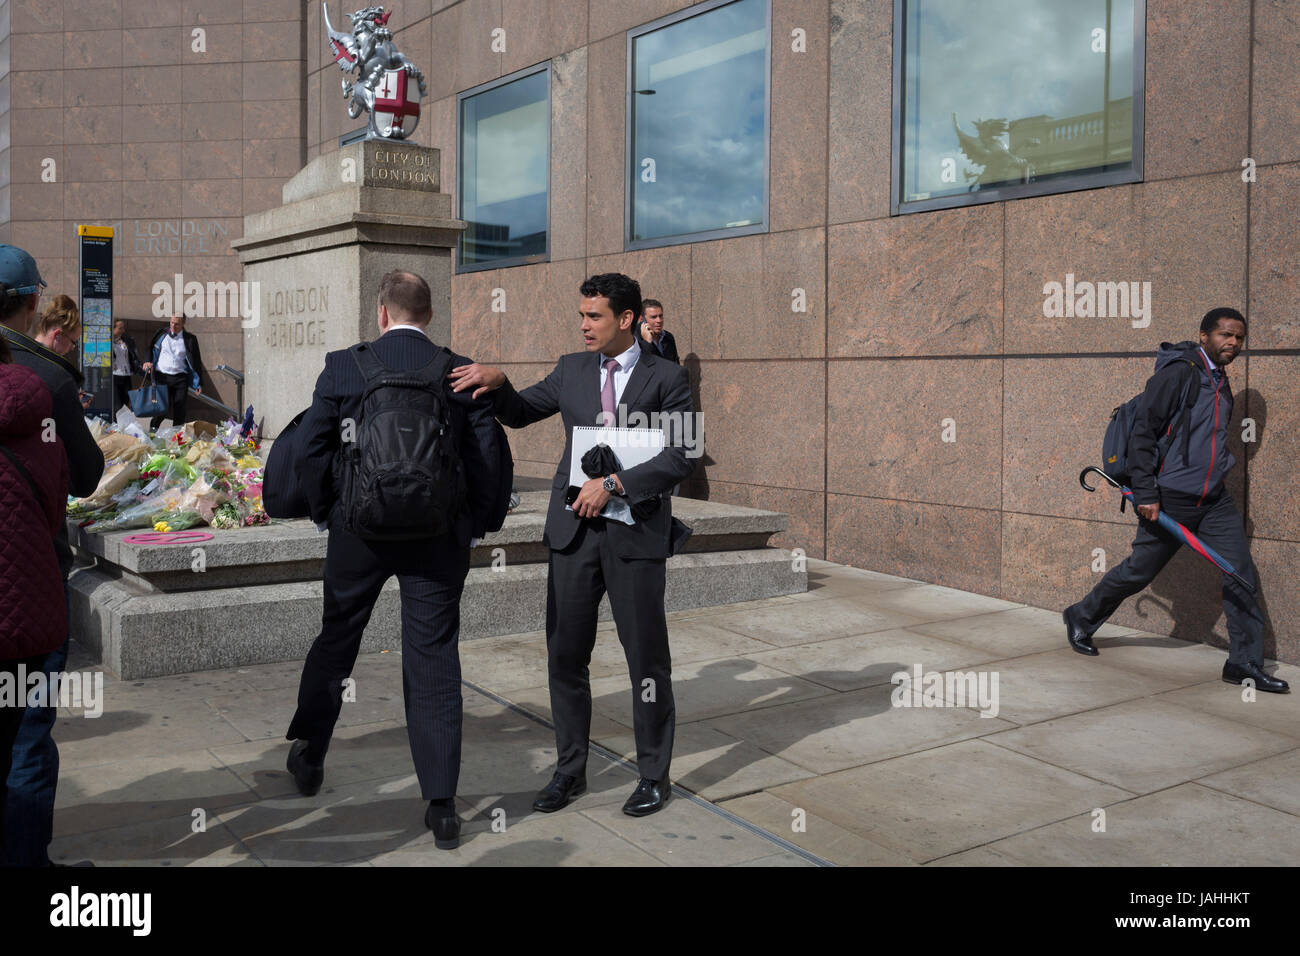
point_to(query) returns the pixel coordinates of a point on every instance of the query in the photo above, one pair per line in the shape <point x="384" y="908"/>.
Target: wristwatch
<point x="610" y="485"/>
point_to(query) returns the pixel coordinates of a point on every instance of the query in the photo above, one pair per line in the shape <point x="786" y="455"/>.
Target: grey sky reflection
<point x="1002" y="59"/>
<point x="703" y="125"/>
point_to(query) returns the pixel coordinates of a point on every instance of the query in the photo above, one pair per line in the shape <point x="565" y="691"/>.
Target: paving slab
<point x="818" y="836"/>
<point x="1010" y="633"/>
<point x="933" y="602"/>
<point x="1161" y="657"/>
<point x="134" y="725"/>
<point x="1187" y="825"/>
<point x="863" y="660"/>
<point x="557" y="840"/>
<point x="941" y="801"/>
<point x="1145" y="745"/>
<point x="712" y="764"/>
<point x="165" y="842"/>
<point x="1279" y="713"/>
<point x="835" y="580"/>
<point x="778" y="860"/>
<point x="352" y="821"/>
<point x="121" y="793"/>
<point x="505" y="663"/>
<point x="685" y="834"/>
<point x="1271" y="781"/>
<point x="261" y="713"/>
<point x="709" y="689"/>
<point x="1038" y="687"/>
<point x="689" y="641"/>
<point x="789" y="624"/>
<point x="847" y="730"/>
<point x="357" y="753"/>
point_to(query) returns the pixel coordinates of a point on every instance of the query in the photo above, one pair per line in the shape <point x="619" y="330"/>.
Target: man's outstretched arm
<point x="514" y="409"/>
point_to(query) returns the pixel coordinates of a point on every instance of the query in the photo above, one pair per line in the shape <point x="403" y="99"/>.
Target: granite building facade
<point x="921" y="415"/>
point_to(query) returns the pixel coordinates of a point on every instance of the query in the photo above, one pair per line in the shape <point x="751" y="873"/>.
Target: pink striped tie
<point x="607" y="393"/>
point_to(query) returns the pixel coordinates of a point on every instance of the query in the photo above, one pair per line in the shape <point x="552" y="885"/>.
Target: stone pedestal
<point x="347" y="218"/>
<point x="146" y="612"/>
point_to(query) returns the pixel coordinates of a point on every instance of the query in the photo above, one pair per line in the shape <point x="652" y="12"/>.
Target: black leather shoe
<point x="648" y="797"/>
<point x="1079" y="639"/>
<point x="560" y="792"/>
<point x="445" y="826"/>
<point x="308" y="776"/>
<point x="1239" y="673"/>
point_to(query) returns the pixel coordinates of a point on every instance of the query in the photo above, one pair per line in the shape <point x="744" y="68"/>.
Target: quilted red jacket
<point x="33" y="616"/>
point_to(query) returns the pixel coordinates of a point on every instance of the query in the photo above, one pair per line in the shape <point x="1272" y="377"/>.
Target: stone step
<point x="140" y="631"/>
<point x="289" y="551"/>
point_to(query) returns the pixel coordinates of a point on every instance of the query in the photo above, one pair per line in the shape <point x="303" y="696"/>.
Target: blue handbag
<point x="148" y="400"/>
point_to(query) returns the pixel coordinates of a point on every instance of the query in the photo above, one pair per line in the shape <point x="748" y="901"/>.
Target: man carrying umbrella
<point x="1187" y="485"/>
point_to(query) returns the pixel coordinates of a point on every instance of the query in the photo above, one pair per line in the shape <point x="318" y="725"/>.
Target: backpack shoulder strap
<point x="27" y="475"/>
<point x="440" y="364"/>
<point x="368" y="362"/>
<point x="1190" y="381"/>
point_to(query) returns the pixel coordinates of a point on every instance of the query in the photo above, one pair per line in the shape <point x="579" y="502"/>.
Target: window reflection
<point x="699" y="124"/>
<point x="1000" y="93"/>
<point x="504" y="171"/>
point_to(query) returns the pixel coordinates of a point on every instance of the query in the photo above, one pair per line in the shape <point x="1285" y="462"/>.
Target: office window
<point x="698" y="124"/>
<point x="998" y="99"/>
<point x="504" y="170"/>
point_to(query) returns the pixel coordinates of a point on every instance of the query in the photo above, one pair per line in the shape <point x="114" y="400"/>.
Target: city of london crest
<point x="384" y="82"/>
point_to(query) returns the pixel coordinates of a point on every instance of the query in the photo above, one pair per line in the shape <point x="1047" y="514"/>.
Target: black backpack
<point x="401" y="478"/>
<point x="1114" y="446"/>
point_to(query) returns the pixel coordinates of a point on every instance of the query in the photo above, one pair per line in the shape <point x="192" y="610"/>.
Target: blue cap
<point x="18" y="271"/>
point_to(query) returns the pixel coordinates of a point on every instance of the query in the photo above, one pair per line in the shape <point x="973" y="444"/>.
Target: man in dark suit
<point x="590" y="555"/>
<point x="654" y="337"/>
<point x="431" y="571"/>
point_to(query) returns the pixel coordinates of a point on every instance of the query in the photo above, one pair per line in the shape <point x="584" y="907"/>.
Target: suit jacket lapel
<point x="588" y="410"/>
<point x="641" y="374"/>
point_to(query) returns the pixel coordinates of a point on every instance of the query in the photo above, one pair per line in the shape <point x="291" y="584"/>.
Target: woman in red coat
<point x="33" y="613"/>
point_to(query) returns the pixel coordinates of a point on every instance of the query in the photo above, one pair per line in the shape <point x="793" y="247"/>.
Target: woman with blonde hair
<point x="59" y="327"/>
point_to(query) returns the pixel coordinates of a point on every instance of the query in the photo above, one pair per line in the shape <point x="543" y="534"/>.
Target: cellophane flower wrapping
<point x="180" y="477"/>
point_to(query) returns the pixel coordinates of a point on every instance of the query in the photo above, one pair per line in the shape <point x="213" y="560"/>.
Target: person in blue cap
<point x="29" y="814"/>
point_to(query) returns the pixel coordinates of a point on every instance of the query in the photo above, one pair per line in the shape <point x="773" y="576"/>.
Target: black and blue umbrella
<point x="1174" y="528"/>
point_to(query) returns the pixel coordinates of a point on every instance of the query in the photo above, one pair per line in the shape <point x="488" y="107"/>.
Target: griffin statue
<point x="381" y="83"/>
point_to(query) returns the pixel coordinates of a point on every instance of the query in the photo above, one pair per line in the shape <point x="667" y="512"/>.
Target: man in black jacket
<point x="653" y="336"/>
<point x="177" y="365"/>
<point x="431" y="570"/>
<point x="1187" y="484"/>
<point x="591" y="555"/>
<point x="34" y="774"/>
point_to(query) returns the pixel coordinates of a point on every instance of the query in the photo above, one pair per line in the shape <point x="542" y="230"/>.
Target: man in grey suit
<point x="590" y="555"/>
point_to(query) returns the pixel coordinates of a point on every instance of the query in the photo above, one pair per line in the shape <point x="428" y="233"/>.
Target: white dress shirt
<point x="626" y="362"/>
<point x="121" y="358"/>
<point x="171" y="357"/>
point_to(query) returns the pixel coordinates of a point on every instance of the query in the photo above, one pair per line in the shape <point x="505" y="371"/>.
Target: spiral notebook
<point x="632" y="446"/>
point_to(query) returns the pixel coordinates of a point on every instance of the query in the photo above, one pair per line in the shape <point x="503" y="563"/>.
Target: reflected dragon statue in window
<point x="381" y="84"/>
<point x="989" y="151"/>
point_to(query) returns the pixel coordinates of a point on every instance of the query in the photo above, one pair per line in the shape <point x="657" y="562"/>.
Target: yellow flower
<point x="161" y="526"/>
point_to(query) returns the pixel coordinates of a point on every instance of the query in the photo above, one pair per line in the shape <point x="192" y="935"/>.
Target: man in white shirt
<point x="176" y="365"/>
